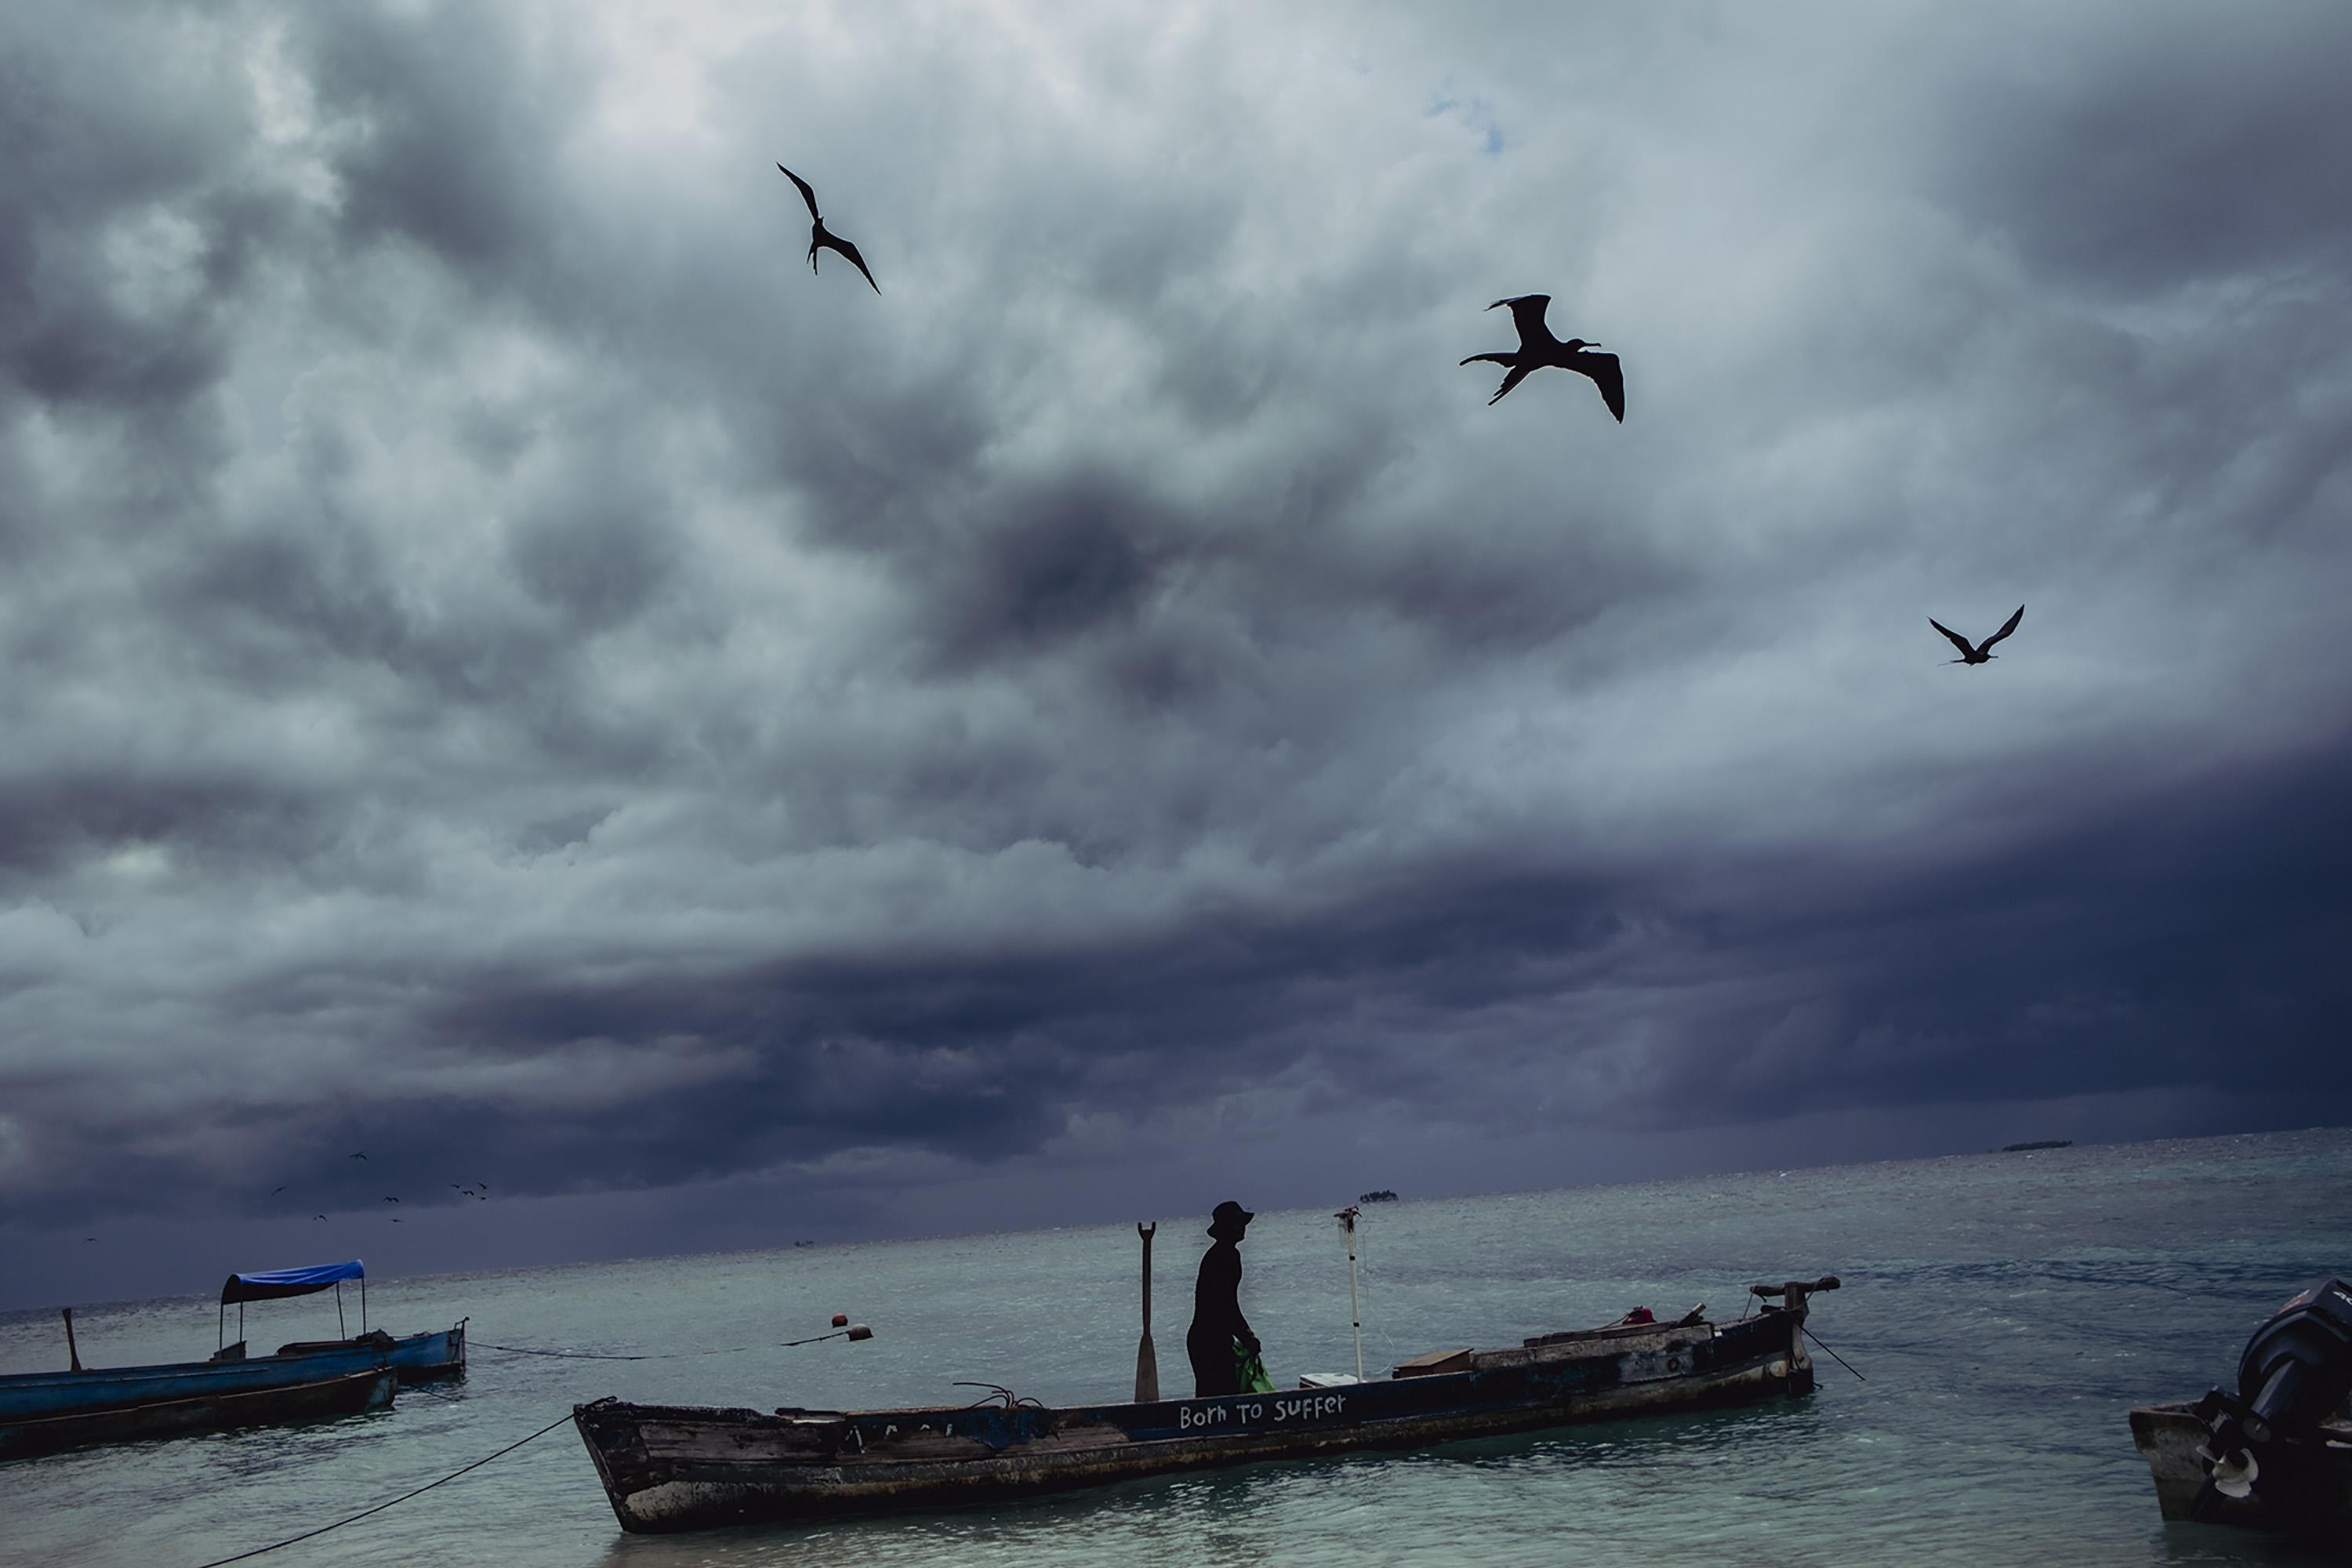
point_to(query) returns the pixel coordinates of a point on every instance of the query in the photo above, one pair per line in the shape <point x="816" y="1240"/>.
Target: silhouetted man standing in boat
<point x="1217" y="1319"/>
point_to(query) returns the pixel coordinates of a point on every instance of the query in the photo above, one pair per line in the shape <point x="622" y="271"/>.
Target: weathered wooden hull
<point x="668" y="1468"/>
<point x="2172" y="1439"/>
<point x="318" y="1398"/>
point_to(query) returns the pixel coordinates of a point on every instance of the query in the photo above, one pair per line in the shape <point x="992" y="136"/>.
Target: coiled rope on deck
<point x="478" y="1464"/>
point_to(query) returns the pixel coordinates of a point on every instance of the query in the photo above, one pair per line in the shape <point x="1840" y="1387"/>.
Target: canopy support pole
<point x="341" y="1332"/>
<point x="363" y="1302"/>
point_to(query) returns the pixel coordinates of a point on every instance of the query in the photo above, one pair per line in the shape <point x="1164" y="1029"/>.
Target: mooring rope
<point x="1834" y="1355"/>
<point x="478" y="1464"/>
<point x="670" y="1355"/>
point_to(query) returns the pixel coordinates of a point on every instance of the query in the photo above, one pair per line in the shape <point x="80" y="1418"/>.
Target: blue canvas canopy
<point x="273" y="1284"/>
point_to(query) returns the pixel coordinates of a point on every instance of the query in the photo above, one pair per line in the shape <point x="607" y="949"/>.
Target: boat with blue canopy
<point x="304" y="1379"/>
<point x="418" y="1358"/>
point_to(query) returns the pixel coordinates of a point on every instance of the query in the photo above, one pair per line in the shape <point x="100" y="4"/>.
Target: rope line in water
<point x="1834" y="1355"/>
<point x="478" y="1464"/>
<point x="660" y="1356"/>
<point x="584" y="1356"/>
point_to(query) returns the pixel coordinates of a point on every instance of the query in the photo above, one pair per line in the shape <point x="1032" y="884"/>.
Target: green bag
<point x="1249" y="1370"/>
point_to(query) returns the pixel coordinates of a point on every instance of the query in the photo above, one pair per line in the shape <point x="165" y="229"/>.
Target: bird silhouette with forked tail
<point x="823" y="238"/>
<point x="1538" y="347"/>
<point x="1981" y="651"/>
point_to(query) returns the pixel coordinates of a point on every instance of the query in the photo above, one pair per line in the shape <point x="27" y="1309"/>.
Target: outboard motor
<point x="2296" y="1372"/>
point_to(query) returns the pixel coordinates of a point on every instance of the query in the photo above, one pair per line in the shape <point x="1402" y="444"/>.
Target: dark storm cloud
<point x="504" y="656"/>
<point x="454" y="121"/>
<point x="2149" y="157"/>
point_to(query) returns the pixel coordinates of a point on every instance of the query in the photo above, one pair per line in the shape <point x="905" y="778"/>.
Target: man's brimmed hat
<point x="1229" y="1215"/>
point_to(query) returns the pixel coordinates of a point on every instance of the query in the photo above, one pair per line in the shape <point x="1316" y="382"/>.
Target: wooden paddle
<point x="1147" y="1363"/>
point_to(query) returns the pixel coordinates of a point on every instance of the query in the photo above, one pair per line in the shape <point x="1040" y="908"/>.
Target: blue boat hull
<point x="193" y="1407"/>
<point x="418" y="1358"/>
<point x="43" y="1395"/>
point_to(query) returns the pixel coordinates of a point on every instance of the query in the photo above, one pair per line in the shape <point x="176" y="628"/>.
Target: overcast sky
<point x="508" y="672"/>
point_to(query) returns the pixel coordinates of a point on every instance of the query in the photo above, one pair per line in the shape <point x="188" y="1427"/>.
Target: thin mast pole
<point x="1346" y="1218"/>
<point x="341" y="1332"/>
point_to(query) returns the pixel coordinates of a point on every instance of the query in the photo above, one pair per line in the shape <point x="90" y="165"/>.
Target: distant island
<point x="1381" y="1197"/>
<point x="2044" y="1143"/>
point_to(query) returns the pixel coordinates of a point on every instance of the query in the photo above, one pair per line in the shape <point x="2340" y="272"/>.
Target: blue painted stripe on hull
<point x="26" y="1396"/>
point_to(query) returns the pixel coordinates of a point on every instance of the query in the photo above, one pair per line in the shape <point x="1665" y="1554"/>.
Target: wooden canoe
<point x="674" y="1467"/>
<point x="339" y="1394"/>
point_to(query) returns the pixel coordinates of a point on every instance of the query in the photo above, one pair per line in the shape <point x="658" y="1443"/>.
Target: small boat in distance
<point x="2041" y="1143"/>
<point x="669" y="1467"/>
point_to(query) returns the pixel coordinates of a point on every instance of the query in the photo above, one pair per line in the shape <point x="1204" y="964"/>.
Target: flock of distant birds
<point x="1538" y="350"/>
<point x="479" y="1191"/>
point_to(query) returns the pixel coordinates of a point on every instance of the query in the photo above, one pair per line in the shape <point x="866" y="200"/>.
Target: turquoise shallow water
<point x="2006" y="1309"/>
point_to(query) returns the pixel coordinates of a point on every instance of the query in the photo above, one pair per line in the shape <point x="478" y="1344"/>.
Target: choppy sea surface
<point x="2005" y="1310"/>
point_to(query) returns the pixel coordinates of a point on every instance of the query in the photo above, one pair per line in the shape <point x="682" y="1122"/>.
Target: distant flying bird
<point x="395" y="1219"/>
<point x="357" y="1156"/>
<point x="823" y="238"/>
<point x="89" y="1238"/>
<point x="1538" y="347"/>
<point x="391" y="1200"/>
<point x="317" y="1217"/>
<point x="274" y="1190"/>
<point x="1983" y="650"/>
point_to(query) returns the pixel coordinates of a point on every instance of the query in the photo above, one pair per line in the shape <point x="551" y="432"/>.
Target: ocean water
<point x="2002" y="1311"/>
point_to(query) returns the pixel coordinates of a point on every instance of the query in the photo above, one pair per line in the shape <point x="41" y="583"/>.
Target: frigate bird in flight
<point x="1983" y="650"/>
<point x="822" y="238"/>
<point x="1538" y="347"/>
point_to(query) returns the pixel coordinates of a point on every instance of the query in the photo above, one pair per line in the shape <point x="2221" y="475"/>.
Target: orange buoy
<point x="841" y="1320"/>
<point x="860" y="1332"/>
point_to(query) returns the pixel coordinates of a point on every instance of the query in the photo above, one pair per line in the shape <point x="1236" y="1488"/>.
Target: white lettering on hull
<point x="1273" y="1412"/>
